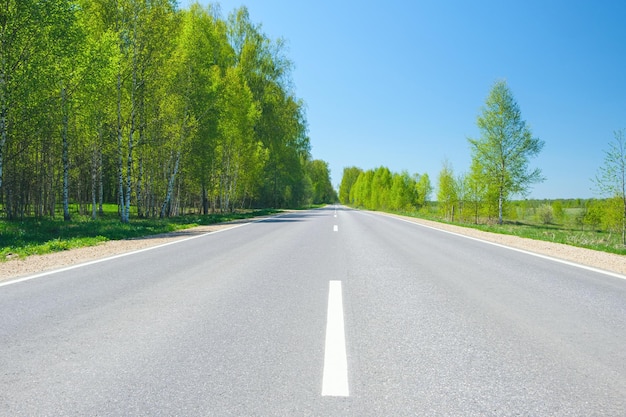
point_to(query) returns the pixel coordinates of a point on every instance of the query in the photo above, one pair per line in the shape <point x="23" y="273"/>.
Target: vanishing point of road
<point x="329" y="312"/>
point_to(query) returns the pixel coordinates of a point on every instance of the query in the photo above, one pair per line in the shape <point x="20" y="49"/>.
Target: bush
<point x="545" y="214"/>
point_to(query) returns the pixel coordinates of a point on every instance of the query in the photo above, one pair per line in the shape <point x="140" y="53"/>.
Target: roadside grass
<point x="27" y="237"/>
<point x="565" y="232"/>
<point x="589" y="239"/>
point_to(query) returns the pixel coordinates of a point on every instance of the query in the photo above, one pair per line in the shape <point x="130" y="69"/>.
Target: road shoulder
<point x="601" y="260"/>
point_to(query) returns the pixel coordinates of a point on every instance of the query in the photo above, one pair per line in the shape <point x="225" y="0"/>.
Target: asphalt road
<point x="236" y="324"/>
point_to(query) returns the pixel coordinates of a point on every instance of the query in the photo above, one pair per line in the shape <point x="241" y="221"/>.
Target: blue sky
<point x="400" y="83"/>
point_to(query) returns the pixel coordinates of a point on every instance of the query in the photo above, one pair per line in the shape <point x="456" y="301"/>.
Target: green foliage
<point x="158" y="109"/>
<point x="593" y="224"/>
<point x="381" y="189"/>
<point x="423" y="188"/>
<point x="282" y="127"/>
<point x="558" y="211"/>
<point x="589" y="239"/>
<point x="322" y="190"/>
<point x="350" y="175"/>
<point x="545" y="214"/>
<point x="500" y="158"/>
<point x="404" y="193"/>
<point x="611" y="180"/>
<point x="447" y="195"/>
<point x="45" y="235"/>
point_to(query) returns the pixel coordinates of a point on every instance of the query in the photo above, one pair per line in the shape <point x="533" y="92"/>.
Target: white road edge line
<point x="335" y="228"/>
<point x="335" y="379"/>
<point x="538" y="255"/>
<point x="121" y="255"/>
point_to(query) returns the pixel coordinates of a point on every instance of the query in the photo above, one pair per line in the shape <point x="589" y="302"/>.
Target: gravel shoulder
<point x="40" y="263"/>
<point x="35" y="264"/>
<point x="601" y="260"/>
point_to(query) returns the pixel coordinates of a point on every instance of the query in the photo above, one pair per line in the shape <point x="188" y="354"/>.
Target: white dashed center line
<point x="335" y="380"/>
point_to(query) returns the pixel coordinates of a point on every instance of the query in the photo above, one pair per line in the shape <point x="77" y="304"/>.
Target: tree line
<point x="142" y="104"/>
<point x="381" y="189"/>
<point x="500" y="159"/>
<point x="500" y="162"/>
<point x="500" y="169"/>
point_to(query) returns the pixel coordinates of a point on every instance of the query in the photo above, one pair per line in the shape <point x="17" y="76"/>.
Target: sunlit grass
<point x="565" y="233"/>
<point x="22" y="238"/>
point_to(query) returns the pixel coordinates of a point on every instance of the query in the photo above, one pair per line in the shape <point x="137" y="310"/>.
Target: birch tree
<point x="506" y="145"/>
<point x="403" y="194"/>
<point x="142" y="102"/>
<point x="21" y="43"/>
<point x="68" y="52"/>
<point x="611" y="177"/>
<point x="322" y="189"/>
<point x="282" y="126"/>
<point x="349" y="177"/>
<point x="424" y="189"/>
<point x="204" y="54"/>
<point x="447" y="195"/>
<point x="236" y="147"/>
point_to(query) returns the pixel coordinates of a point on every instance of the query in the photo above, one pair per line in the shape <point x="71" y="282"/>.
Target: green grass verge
<point x="589" y="239"/>
<point x="558" y="233"/>
<point x="19" y="239"/>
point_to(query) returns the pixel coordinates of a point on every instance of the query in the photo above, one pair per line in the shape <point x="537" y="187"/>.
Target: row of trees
<point x="139" y="102"/>
<point x="500" y="162"/>
<point x="500" y="170"/>
<point x="381" y="189"/>
<point x="500" y="159"/>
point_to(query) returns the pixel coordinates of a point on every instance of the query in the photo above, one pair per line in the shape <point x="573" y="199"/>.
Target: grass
<point x="590" y="239"/>
<point x="565" y="232"/>
<point x="22" y="238"/>
<point x="41" y="236"/>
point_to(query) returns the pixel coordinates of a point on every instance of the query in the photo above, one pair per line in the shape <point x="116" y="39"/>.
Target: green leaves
<point x="139" y="102"/>
<point x="611" y="177"/>
<point x="381" y="189"/>
<point x="447" y="194"/>
<point x="502" y="153"/>
<point x="322" y="190"/>
<point x="350" y="175"/>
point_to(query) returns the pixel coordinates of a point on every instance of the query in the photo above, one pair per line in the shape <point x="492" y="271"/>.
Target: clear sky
<point x="400" y="83"/>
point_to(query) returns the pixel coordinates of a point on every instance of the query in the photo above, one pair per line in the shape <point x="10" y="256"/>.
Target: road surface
<point x="330" y="312"/>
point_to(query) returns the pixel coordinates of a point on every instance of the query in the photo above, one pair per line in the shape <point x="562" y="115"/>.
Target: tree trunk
<point x="94" y="178"/>
<point x="65" y="156"/>
<point x="94" y="196"/>
<point x="205" y="201"/>
<point x="131" y="137"/>
<point x="120" y="152"/>
<point x="140" y="202"/>
<point x="624" y="220"/>
<point x="129" y="166"/>
<point x="3" y="135"/>
<point x="500" y="203"/>
<point x="170" y="187"/>
<point x="3" y="139"/>
<point x="4" y="106"/>
<point x="100" y="185"/>
<point x="476" y="214"/>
